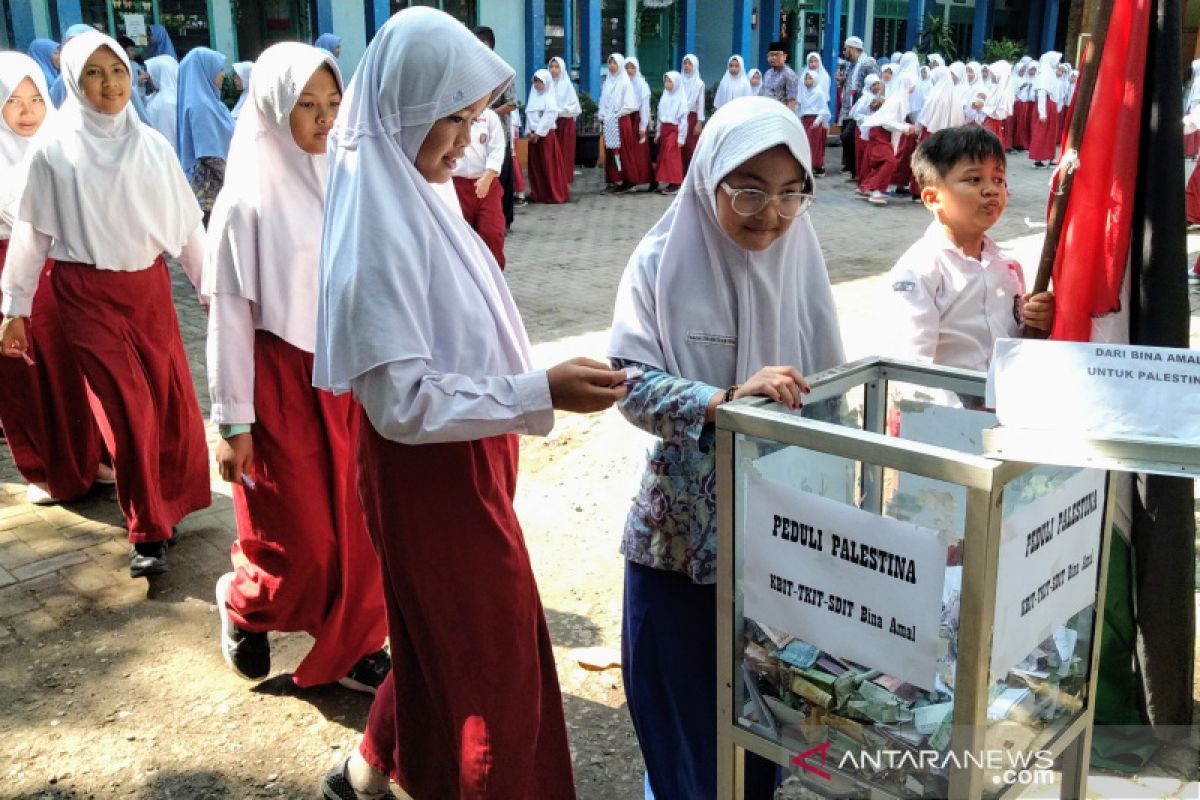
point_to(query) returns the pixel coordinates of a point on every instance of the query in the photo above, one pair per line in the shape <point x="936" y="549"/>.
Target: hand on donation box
<point x="235" y="457"/>
<point x="583" y="385"/>
<point x="781" y="384"/>
<point x="484" y="184"/>
<point x="14" y="343"/>
<point x="1037" y="311"/>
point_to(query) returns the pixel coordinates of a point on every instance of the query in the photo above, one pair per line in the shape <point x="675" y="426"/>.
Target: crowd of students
<point x="369" y="370"/>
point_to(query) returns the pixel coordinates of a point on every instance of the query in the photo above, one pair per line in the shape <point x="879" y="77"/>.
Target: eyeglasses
<point x="748" y="202"/>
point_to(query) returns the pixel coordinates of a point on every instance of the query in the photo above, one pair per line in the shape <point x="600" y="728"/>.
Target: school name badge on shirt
<point x="904" y="286"/>
<point x="712" y="339"/>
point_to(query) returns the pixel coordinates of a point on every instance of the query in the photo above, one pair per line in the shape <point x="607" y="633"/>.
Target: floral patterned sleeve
<point x="666" y="405"/>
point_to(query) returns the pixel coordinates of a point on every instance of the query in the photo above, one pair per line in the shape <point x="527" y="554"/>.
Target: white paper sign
<point x="1102" y="390"/>
<point x="135" y="27"/>
<point x="1047" y="571"/>
<point x="860" y="586"/>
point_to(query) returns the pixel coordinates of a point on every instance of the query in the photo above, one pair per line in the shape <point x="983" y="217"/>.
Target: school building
<point x="583" y="32"/>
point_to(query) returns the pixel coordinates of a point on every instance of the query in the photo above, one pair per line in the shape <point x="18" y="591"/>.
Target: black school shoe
<point x="147" y="558"/>
<point x="336" y="786"/>
<point x="368" y="674"/>
<point x="248" y="654"/>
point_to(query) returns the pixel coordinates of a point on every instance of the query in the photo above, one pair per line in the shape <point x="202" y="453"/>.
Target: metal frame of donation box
<point x="800" y="714"/>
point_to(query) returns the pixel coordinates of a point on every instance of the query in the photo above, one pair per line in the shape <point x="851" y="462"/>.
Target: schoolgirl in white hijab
<point x="813" y="62"/>
<point x="935" y="60"/>
<point x="547" y="183"/>
<point x="756" y="88"/>
<point x="300" y="531"/>
<point x="618" y="99"/>
<point x="641" y="89"/>
<point x="671" y="134"/>
<point x="693" y="87"/>
<point x="105" y="198"/>
<point x="44" y="408"/>
<point x="942" y="109"/>
<point x="568" y="110"/>
<point x="892" y="117"/>
<point x="243" y="70"/>
<point x="812" y="106"/>
<point x="415" y="318"/>
<point x="733" y="84"/>
<point x="1043" y="145"/>
<point x="694" y="280"/>
<point x="161" y="107"/>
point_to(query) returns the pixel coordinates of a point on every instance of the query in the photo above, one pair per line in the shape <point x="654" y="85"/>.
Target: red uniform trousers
<point x="44" y="408"/>
<point x="1043" y="139"/>
<point x="547" y="183"/>
<point x="123" y="331"/>
<point x="881" y="161"/>
<point x="817" y="139"/>
<point x="485" y="215"/>
<point x="669" y="167"/>
<point x="303" y="560"/>
<point x="564" y="131"/>
<point x="472" y="707"/>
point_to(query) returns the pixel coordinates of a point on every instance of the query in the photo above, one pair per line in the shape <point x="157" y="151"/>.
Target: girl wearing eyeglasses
<point x="726" y="297"/>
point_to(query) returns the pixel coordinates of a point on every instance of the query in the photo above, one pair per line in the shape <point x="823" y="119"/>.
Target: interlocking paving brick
<point x="48" y="565"/>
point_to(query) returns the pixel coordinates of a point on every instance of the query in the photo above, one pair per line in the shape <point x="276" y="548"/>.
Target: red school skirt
<point x="547" y="183"/>
<point x="302" y="560"/>
<point x="125" y="336"/>
<point x="44" y="408"/>
<point x="564" y="131"/>
<point x="1043" y="139"/>
<point x="472" y="707"/>
<point x="669" y="168"/>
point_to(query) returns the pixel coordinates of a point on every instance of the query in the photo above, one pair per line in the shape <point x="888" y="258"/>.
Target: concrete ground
<point x="115" y="688"/>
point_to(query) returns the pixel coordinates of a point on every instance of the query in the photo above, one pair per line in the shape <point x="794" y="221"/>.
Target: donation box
<point x="899" y="615"/>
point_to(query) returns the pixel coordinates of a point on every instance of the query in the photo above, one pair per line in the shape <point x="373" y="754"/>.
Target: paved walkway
<point x="59" y="563"/>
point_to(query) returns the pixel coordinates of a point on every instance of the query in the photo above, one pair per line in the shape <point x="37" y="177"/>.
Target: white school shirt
<point x="947" y="308"/>
<point x="486" y="150"/>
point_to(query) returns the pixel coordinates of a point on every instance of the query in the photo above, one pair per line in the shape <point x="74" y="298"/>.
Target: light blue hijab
<point x="328" y="42"/>
<point x="58" y="89"/>
<point x="160" y="43"/>
<point x="204" y="125"/>
<point x="40" y="50"/>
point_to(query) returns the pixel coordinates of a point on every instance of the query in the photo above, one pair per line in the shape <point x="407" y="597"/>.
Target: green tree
<point x="936" y="37"/>
<point x="1009" y="50"/>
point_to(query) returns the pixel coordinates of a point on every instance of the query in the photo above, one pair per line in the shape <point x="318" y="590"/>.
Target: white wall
<point x="507" y="19"/>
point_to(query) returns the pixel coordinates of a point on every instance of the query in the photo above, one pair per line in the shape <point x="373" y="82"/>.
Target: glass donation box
<point x="899" y="614"/>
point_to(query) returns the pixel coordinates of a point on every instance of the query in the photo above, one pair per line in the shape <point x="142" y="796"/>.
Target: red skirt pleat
<point x="1192" y="196"/>
<point x="669" y="168"/>
<point x="1020" y="124"/>
<point x="564" y="131"/>
<point x="635" y="155"/>
<point x="903" y="173"/>
<point x="1191" y="144"/>
<point x="44" y="408"/>
<point x="689" y="146"/>
<point x="472" y="707"/>
<point x="861" y="147"/>
<point x="881" y="161"/>
<point x="302" y="560"/>
<point x="486" y="216"/>
<point x="1043" y="142"/>
<point x="817" y="139"/>
<point x="996" y="126"/>
<point x="125" y="336"/>
<point x="547" y="183"/>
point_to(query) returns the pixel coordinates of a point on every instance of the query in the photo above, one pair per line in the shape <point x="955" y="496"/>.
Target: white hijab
<point x="402" y="276"/>
<point x="244" y="70"/>
<point x="942" y="109"/>
<point x="564" y="91"/>
<point x="16" y="150"/>
<point x="1047" y="80"/>
<point x="672" y="105"/>
<point x="755" y="90"/>
<point x="107" y="188"/>
<point x="264" y="238"/>
<point x="161" y="106"/>
<point x="999" y="104"/>
<point x="777" y="303"/>
<point x="893" y="110"/>
<point x="733" y="86"/>
<point x="693" y="85"/>
<point x="824" y="81"/>
<point x="617" y="94"/>
<point x="862" y="107"/>
<point x="541" y="107"/>
<point x="812" y="101"/>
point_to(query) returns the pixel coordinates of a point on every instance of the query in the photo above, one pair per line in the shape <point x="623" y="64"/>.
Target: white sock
<point x="367" y="782"/>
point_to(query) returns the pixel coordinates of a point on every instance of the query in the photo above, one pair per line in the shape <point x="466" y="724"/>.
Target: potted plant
<point x="587" y="132"/>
